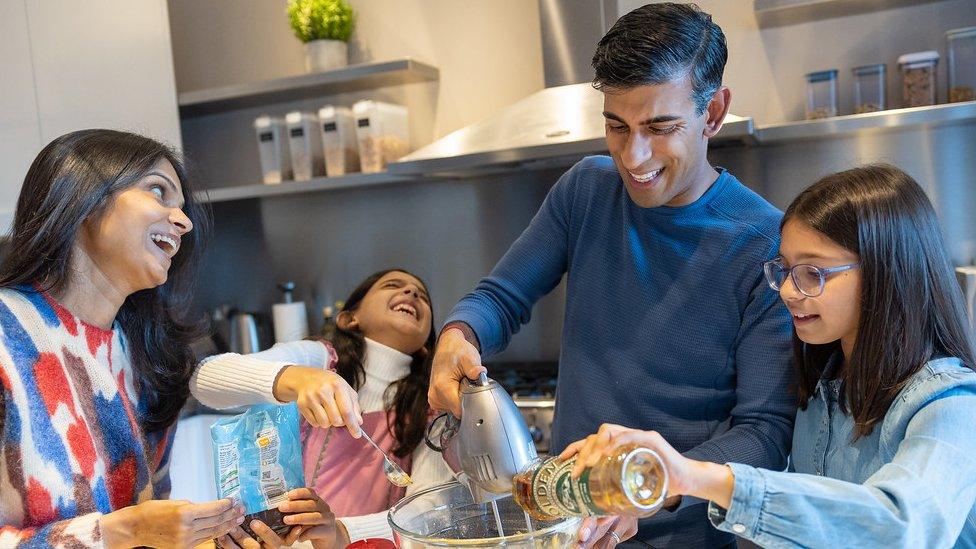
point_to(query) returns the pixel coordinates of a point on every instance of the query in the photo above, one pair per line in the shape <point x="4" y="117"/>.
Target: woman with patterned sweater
<point x="94" y="362"/>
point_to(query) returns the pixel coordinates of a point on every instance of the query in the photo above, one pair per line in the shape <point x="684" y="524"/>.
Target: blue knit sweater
<point x="668" y="323"/>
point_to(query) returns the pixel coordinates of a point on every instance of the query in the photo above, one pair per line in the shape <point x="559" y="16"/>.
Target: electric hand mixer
<point x="489" y="444"/>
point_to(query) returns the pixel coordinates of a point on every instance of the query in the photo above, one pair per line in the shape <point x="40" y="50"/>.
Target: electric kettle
<point x="244" y="334"/>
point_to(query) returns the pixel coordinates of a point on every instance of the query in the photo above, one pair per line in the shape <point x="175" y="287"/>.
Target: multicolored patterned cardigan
<point x="72" y="447"/>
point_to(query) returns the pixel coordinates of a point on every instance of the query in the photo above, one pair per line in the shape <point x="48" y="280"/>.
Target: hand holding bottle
<point x="700" y="479"/>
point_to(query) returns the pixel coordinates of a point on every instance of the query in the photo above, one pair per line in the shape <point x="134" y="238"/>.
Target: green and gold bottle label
<point x="558" y="494"/>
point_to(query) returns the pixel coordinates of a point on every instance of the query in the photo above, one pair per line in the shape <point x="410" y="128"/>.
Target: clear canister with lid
<point x="961" y="52"/>
<point x="305" y="144"/>
<point x="918" y="78"/>
<point x="383" y="133"/>
<point x="339" y="143"/>
<point x="273" y="149"/>
<point x="869" y="88"/>
<point x="821" y="94"/>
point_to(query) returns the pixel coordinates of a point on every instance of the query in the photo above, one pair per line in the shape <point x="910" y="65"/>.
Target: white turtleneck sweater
<point x="230" y="380"/>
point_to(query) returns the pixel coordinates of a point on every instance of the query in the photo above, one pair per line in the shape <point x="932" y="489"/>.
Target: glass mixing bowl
<point x="447" y="516"/>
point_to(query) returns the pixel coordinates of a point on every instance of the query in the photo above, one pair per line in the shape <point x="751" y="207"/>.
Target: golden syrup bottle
<point x="632" y="481"/>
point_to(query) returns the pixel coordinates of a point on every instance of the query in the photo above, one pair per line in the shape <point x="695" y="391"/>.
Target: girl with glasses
<point x="883" y="450"/>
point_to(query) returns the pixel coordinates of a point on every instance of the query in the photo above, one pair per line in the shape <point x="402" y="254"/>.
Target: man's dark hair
<point x="659" y="43"/>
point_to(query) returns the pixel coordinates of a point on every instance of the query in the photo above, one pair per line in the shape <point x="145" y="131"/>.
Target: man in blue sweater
<point x="668" y="323"/>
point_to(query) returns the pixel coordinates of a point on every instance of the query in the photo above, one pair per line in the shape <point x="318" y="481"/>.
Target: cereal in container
<point x="272" y="149"/>
<point x="821" y="94"/>
<point x="869" y="88"/>
<point x="305" y="144"/>
<point x="382" y="132"/>
<point x="918" y="78"/>
<point x="339" y="142"/>
<point x="961" y="54"/>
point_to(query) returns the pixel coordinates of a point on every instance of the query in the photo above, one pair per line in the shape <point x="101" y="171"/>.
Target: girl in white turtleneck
<point x="368" y="371"/>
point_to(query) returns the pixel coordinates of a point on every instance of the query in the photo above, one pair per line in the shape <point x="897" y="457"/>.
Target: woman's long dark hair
<point x="911" y="304"/>
<point x="75" y="178"/>
<point x="409" y="395"/>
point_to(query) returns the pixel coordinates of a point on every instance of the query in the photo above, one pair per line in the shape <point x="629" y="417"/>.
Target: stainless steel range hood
<point x="552" y="125"/>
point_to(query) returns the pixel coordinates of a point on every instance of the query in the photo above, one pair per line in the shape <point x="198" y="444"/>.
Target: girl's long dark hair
<point x="408" y="397"/>
<point x="911" y="304"/>
<point x="74" y="178"/>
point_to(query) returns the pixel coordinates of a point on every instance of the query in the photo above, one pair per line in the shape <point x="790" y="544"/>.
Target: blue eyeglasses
<point x="808" y="279"/>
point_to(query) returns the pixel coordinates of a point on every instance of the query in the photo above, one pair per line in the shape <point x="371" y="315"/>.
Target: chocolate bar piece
<point x="272" y="517"/>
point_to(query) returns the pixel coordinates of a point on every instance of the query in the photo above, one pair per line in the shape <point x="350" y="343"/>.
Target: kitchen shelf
<point x="352" y="78"/>
<point x="773" y="13"/>
<point x="319" y="184"/>
<point x="894" y="119"/>
<point x="424" y="164"/>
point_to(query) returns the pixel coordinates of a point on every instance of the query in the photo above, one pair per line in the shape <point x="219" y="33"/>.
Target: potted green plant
<point x="324" y="26"/>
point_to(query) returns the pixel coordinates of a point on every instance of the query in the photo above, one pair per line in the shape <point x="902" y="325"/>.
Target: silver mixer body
<point x="490" y="443"/>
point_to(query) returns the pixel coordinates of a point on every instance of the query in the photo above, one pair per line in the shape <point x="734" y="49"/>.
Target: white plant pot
<point x="325" y="55"/>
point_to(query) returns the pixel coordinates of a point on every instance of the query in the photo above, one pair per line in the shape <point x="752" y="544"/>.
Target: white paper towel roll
<point x="290" y="321"/>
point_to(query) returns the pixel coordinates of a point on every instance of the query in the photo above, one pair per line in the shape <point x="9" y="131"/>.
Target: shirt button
<point x="738" y="528"/>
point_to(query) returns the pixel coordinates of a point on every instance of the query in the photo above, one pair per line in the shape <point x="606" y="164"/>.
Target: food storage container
<point x="338" y="127"/>
<point x="447" y="516"/>
<point x="305" y="144"/>
<point x="918" y="78"/>
<point x="869" y="88"/>
<point x="821" y="94"/>
<point x="961" y="53"/>
<point x="273" y="149"/>
<point x="382" y="133"/>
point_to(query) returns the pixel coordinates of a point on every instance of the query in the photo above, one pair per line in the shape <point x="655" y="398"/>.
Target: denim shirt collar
<point x="828" y="387"/>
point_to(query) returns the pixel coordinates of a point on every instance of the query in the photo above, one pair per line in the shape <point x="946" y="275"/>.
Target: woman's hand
<point x="685" y="476"/>
<point x="169" y="523"/>
<point x="311" y="520"/>
<point x="323" y="397"/>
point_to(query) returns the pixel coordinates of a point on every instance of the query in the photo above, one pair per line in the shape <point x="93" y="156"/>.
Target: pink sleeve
<point x="333" y="357"/>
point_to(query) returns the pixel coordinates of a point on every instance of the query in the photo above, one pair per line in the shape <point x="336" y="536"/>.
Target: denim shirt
<point x="910" y="483"/>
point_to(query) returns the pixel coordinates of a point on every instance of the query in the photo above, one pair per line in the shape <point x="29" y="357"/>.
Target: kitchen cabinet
<point x="191" y="468"/>
<point x="69" y="66"/>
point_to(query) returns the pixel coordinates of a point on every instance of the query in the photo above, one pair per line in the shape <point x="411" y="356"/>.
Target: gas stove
<point x="525" y="379"/>
<point x="533" y="388"/>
